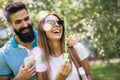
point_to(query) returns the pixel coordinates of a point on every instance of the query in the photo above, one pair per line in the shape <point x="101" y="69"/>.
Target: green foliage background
<point x="94" y="20"/>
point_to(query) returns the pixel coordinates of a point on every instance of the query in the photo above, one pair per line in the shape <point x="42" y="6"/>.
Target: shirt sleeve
<point x="82" y="52"/>
<point x="4" y="68"/>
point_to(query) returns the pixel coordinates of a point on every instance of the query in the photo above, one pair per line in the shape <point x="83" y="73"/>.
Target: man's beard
<point x="26" y="37"/>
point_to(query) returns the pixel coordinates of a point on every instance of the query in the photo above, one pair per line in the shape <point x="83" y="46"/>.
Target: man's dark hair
<point x="13" y="8"/>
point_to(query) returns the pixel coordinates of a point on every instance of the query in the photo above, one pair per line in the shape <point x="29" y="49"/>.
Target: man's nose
<point x="25" y="24"/>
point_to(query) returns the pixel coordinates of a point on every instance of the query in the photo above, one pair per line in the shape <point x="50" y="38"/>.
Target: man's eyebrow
<point x="26" y="17"/>
<point x="18" y="20"/>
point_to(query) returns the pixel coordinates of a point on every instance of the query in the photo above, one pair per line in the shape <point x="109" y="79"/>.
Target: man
<point x="17" y="48"/>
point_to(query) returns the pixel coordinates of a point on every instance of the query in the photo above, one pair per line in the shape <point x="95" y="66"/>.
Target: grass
<point x="105" y="71"/>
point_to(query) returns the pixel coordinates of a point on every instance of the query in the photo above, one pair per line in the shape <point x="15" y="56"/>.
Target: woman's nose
<point x="56" y="24"/>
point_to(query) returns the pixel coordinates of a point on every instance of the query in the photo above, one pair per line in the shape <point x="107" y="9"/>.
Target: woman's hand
<point x="64" y="71"/>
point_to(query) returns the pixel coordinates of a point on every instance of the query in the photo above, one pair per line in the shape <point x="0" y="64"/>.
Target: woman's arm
<point x="40" y="76"/>
<point x="64" y="71"/>
<point x="86" y="66"/>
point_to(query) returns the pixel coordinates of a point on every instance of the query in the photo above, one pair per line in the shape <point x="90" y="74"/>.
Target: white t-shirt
<point x="56" y="62"/>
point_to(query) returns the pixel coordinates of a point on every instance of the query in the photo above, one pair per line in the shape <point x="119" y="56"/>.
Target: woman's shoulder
<point x="81" y="50"/>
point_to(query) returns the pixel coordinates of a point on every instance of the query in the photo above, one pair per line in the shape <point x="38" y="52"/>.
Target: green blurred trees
<point x="95" y="20"/>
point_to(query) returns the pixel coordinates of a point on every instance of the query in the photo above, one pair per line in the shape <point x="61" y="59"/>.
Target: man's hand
<point x="64" y="71"/>
<point x="4" y="78"/>
<point x="26" y="73"/>
<point x="72" y="40"/>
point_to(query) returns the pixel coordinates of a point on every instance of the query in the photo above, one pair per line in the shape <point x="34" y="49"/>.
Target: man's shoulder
<point x="36" y="32"/>
<point x="5" y="48"/>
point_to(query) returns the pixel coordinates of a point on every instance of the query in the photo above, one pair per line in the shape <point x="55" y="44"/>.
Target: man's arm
<point x="4" y="70"/>
<point x="5" y="78"/>
<point x="71" y="40"/>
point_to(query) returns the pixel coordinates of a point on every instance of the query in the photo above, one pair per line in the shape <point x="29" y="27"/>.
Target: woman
<point x="52" y="41"/>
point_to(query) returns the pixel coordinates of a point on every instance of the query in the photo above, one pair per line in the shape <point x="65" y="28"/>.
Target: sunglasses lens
<point x="60" y="22"/>
<point x="53" y="23"/>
